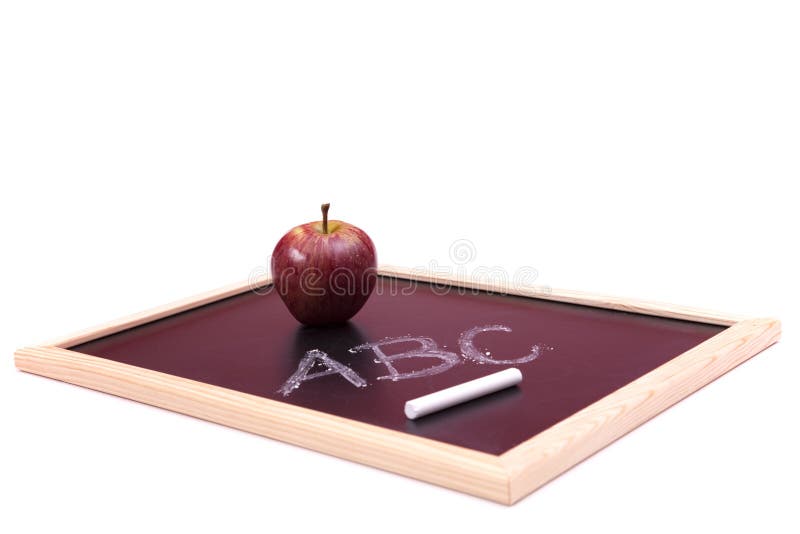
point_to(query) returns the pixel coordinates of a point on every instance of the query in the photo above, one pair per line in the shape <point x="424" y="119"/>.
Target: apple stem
<point x="325" y="208"/>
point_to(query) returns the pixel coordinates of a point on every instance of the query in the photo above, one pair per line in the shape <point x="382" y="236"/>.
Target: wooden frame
<point x="504" y="478"/>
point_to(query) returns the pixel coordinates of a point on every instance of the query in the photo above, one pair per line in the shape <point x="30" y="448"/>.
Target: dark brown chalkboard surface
<point x="250" y="343"/>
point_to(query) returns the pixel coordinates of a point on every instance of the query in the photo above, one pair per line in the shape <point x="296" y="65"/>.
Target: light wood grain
<point x="454" y="467"/>
<point x="660" y="309"/>
<point x="540" y="292"/>
<point x="555" y="450"/>
<point x="505" y="478"/>
<point x="159" y="312"/>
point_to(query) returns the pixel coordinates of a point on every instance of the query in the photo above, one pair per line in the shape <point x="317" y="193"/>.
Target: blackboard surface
<point x="250" y="343"/>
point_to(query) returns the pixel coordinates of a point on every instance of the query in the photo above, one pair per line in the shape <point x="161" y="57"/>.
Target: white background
<point x="152" y="150"/>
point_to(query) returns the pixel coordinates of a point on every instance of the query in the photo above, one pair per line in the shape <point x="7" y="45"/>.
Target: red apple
<point x="324" y="271"/>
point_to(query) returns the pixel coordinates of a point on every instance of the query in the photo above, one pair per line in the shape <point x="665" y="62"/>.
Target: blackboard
<point x="593" y="369"/>
<point x="250" y="343"/>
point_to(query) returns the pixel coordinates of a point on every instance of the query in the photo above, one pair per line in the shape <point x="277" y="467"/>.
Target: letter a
<point x="332" y="368"/>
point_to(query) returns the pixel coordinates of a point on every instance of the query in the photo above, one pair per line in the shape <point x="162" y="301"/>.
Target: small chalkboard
<point x="593" y="368"/>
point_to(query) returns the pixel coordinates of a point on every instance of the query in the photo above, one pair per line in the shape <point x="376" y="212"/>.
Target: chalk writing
<point x="466" y="342"/>
<point x="332" y="367"/>
<point x="427" y="349"/>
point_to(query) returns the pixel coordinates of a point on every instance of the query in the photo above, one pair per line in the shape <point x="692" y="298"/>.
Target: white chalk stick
<point x="467" y="391"/>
